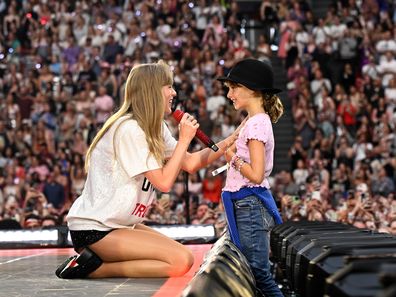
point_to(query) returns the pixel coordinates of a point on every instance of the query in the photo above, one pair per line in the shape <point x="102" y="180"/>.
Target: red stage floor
<point x="30" y="272"/>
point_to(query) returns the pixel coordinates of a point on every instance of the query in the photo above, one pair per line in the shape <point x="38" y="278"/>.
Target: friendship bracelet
<point x="237" y="162"/>
<point x="233" y="161"/>
<point x="241" y="162"/>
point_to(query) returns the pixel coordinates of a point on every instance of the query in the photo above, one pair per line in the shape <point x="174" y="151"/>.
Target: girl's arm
<point x="255" y="170"/>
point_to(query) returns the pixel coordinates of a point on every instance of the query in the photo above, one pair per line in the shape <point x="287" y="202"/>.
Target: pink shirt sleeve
<point x="257" y="128"/>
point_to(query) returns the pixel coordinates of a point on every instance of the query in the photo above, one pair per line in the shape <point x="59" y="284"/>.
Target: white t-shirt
<point x="116" y="193"/>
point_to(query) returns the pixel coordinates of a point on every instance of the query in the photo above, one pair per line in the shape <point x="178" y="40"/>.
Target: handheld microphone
<point x="178" y="114"/>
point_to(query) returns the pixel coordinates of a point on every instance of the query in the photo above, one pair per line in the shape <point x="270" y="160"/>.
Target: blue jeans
<point x="254" y="223"/>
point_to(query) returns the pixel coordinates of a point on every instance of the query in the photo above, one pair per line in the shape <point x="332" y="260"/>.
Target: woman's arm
<point x="202" y="158"/>
<point x="197" y="160"/>
<point x="164" y="178"/>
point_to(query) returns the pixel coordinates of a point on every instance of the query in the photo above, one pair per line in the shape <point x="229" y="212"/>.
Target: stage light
<point x="23" y="238"/>
<point x="187" y="232"/>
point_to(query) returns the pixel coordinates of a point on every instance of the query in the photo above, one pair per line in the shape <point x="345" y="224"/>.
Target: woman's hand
<point x="187" y="128"/>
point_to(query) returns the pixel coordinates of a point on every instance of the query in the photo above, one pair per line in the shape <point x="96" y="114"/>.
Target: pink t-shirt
<point x="258" y="127"/>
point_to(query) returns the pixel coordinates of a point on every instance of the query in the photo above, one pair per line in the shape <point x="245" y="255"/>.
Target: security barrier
<point x="224" y="273"/>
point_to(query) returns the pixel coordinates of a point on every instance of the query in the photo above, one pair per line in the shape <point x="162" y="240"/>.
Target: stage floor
<point x="30" y="272"/>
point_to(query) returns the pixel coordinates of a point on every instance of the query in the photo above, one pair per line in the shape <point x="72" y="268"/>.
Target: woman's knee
<point x="181" y="263"/>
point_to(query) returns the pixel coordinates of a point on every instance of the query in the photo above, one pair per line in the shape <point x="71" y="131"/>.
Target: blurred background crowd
<point x="63" y="66"/>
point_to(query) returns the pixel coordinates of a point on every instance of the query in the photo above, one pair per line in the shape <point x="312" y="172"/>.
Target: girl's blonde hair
<point x="273" y="106"/>
<point x="143" y="102"/>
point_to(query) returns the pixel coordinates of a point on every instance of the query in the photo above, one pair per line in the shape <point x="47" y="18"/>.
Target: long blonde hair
<point x="143" y="102"/>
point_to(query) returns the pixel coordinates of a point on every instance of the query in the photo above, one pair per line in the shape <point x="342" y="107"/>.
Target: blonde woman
<point x="124" y="164"/>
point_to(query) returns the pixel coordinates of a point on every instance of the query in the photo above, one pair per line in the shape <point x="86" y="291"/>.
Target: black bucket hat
<point x="253" y="74"/>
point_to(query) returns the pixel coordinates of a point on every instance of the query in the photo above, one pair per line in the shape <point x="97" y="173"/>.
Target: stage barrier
<point x="223" y="273"/>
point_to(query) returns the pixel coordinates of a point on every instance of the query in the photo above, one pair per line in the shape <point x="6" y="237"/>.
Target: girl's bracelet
<point x="237" y="162"/>
<point x="234" y="160"/>
<point x="240" y="164"/>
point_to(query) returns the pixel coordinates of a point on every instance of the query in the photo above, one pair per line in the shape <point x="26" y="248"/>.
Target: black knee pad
<point x="79" y="266"/>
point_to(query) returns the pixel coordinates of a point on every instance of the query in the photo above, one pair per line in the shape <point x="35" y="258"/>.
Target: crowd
<point x="63" y="66"/>
<point x="341" y="83"/>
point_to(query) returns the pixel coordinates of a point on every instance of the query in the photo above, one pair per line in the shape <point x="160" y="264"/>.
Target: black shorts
<point x="84" y="238"/>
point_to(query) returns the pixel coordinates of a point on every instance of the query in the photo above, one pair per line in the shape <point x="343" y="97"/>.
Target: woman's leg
<point x="140" y="252"/>
<point x="149" y="229"/>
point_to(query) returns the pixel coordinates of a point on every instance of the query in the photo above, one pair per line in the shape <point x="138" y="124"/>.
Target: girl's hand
<point x="187" y="128"/>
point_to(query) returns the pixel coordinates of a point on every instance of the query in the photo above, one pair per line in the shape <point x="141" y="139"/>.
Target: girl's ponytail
<point x="273" y="106"/>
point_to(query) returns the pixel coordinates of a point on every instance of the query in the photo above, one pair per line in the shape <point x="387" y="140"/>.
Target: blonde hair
<point x="143" y="102"/>
<point x="273" y="106"/>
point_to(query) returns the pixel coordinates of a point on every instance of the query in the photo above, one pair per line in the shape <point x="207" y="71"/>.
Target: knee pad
<point x="79" y="266"/>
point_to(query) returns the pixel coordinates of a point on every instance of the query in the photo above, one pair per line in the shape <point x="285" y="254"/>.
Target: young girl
<point x="250" y="208"/>
<point x="124" y="163"/>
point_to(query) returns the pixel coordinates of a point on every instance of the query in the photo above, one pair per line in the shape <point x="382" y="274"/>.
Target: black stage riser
<point x="310" y="253"/>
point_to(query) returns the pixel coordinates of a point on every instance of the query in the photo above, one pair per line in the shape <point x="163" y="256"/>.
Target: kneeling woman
<point x="124" y="163"/>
